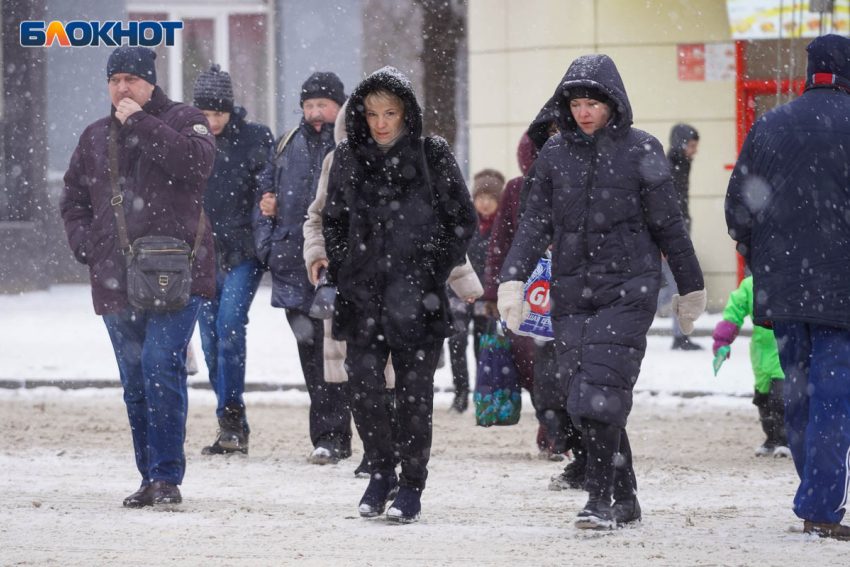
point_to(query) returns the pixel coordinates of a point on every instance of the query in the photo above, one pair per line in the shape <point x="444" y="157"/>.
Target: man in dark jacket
<point x="684" y="141"/>
<point x="788" y="208"/>
<point x="287" y="188"/>
<point x="241" y="150"/>
<point x="165" y="153"/>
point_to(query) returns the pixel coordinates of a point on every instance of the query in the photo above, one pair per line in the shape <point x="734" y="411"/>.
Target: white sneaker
<point x="782" y="452"/>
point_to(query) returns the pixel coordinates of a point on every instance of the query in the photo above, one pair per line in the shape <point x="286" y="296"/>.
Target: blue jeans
<point x="150" y="347"/>
<point x="816" y="361"/>
<point x="223" y="322"/>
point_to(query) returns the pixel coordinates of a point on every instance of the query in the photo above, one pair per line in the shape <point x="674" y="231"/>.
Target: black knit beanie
<point x="138" y="61"/>
<point x="588" y="92"/>
<point x="214" y="90"/>
<point x="323" y="85"/>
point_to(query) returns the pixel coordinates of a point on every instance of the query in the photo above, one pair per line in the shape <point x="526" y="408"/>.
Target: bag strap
<point x="118" y="199"/>
<point x="284" y="141"/>
<point x="426" y="170"/>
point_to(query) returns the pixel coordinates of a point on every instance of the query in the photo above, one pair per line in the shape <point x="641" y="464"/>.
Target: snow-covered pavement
<point x="55" y="335"/>
<point x="66" y="458"/>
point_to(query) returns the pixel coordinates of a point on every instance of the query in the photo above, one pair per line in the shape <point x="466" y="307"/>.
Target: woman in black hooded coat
<point x="603" y="196"/>
<point x="398" y="218"/>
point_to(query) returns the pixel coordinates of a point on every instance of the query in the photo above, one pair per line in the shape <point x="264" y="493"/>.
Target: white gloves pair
<point x="688" y="308"/>
<point x="512" y="306"/>
<point x="514" y="309"/>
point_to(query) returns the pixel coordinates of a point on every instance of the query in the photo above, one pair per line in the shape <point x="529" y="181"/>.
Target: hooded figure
<point x="398" y="218"/>
<point x="680" y="165"/>
<point x="605" y="201"/>
<point x="788" y="208"/>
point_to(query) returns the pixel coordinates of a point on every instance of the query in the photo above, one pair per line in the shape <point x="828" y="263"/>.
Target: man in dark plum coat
<point x="165" y="155"/>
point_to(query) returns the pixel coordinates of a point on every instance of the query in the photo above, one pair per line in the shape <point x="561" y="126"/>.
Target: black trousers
<point x="772" y="412"/>
<point x="414" y="405"/>
<point x="330" y="412"/>
<point x="609" y="461"/>
<point x="464" y="313"/>
<point x="550" y="402"/>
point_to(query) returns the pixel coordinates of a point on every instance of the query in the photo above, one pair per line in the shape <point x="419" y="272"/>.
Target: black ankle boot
<point x="406" y="507"/>
<point x="461" y="401"/>
<point x="597" y="514"/>
<point x="382" y="488"/>
<point x="232" y="433"/>
<point x="627" y="511"/>
<point x="684" y="343"/>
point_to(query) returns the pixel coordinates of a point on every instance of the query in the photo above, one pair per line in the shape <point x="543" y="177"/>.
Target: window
<point x="233" y="34"/>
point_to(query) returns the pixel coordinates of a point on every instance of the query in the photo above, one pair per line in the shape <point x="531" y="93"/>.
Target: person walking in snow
<point x="684" y="142"/>
<point x="602" y="195"/>
<point x="462" y="281"/>
<point x="487" y="187"/>
<point x="142" y="171"/>
<point x="288" y="186"/>
<point x="787" y="209"/>
<point x="523" y="349"/>
<point x="764" y="357"/>
<point x="241" y="150"/>
<point x="398" y="218"/>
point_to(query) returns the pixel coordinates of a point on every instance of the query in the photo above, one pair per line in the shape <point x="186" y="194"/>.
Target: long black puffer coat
<point x="391" y="238"/>
<point x="608" y="206"/>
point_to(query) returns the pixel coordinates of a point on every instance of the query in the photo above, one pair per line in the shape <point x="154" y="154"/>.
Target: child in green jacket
<point x="770" y="380"/>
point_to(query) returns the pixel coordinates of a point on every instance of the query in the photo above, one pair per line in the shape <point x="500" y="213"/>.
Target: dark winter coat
<point x="165" y="155"/>
<point x="609" y="208"/>
<point x="539" y="133"/>
<point x="293" y="177"/>
<point x="507" y="219"/>
<point x="241" y="153"/>
<point x="391" y="238"/>
<point x="680" y="166"/>
<point x="788" y="207"/>
<point x="477" y="251"/>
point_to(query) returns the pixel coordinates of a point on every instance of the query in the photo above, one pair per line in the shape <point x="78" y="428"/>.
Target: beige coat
<point x="463" y="280"/>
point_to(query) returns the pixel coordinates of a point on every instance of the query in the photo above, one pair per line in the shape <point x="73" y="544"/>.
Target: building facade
<point x="520" y="49"/>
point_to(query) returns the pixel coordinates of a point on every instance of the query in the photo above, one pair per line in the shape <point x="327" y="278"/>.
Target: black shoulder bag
<point x="159" y="268"/>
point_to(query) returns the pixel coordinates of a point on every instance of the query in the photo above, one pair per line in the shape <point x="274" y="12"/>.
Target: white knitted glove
<point x="512" y="306"/>
<point x="688" y="308"/>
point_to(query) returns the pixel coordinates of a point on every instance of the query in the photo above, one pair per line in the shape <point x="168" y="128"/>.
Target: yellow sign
<point x="772" y="19"/>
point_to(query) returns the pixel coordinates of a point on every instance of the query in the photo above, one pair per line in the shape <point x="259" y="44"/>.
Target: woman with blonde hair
<point x="398" y="218"/>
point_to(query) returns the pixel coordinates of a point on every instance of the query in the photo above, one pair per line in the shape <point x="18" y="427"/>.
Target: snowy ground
<point x="66" y="462"/>
<point x="55" y="335"/>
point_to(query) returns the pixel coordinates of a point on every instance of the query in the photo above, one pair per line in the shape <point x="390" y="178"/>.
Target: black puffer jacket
<point x="609" y="208"/>
<point x="391" y="238"/>
<point x="680" y="166"/>
<point x="241" y="153"/>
